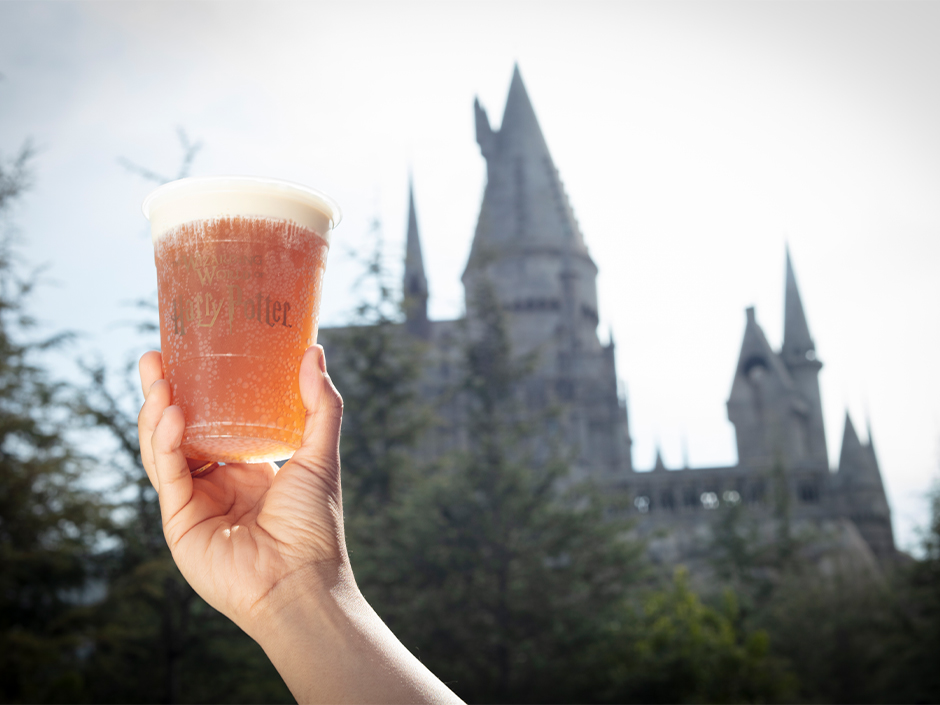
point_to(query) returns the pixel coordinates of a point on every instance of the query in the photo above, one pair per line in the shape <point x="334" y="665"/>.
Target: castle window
<point x="642" y="504"/>
<point x="808" y="492"/>
<point x="731" y="497"/>
<point x="667" y="500"/>
<point x="755" y="367"/>
<point x="690" y="497"/>
<point x="810" y="354"/>
<point x="709" y="500"/>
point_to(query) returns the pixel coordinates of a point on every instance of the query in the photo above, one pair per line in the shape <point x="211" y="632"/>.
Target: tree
<point x="152" y="638"/>
<point x="50" y="527"/>
<point x="672" y="648"/>
<point x="377" y="366"/>
<point x="492" y="573"/>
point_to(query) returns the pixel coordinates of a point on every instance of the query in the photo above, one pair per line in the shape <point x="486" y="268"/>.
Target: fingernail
<point x="322" y="361"/>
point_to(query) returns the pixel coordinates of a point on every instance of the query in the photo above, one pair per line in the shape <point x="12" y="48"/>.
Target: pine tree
<point x="670" y="647"/>
<point x="49" y="526"/>
<point x="376" y="366"/>
<point x="492" y="573"/>
<point x="152" y="638"/>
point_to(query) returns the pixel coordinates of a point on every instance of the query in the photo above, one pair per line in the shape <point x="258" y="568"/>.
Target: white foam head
<point x="211" y="197"/>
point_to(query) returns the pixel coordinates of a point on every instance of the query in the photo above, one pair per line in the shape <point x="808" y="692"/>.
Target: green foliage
<point x="497" y="577"/>
<point x="377" y="371"/>
<point x="48" y="524"/>
<point x="849" y="632"/>
<point x="511" y="583"/>
<point x="676" y="649"/>
<point x="149" y="637"/>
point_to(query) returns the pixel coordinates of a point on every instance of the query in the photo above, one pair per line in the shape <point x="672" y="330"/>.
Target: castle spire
<point x="524" y="204"/>
<point x="660" y="466"/>
<point x="528" y="244"/>
<point x="870" y="446"/>
<point x="799" y="355"/>
<point x="861" y="493"/>
<point x="797" y="342"/>
<point x="415" y="284"/>
<point x="851" y="446"/>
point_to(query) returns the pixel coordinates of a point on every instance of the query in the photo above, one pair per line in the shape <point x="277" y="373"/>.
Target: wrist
<point x="308" y="593"/>
<point x="330" y="646"/>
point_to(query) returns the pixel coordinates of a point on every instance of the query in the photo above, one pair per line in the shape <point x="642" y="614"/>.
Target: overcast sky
<point x="694" y="141"/>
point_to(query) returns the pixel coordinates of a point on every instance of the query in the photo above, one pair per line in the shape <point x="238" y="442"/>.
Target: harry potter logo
<point x="202" y="309"/>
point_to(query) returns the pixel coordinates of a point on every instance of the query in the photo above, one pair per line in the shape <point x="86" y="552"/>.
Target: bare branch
<point x="190" y="150"/>
<point x="142" y="171"/>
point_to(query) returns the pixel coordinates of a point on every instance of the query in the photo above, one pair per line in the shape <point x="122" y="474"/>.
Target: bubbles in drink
<point x="239" y="300"/>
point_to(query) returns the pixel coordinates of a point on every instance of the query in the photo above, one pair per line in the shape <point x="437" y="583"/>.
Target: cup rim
<point x="256" y="184"/>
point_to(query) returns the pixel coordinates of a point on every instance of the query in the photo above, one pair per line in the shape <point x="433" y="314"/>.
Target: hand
<point x="248" y="537"/>
<point x="266" y="548"/>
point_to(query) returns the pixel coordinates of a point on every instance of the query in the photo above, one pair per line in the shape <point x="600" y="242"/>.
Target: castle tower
<point x="861" y="493"/>
<point x="529" y="248"/>
<point x="415" y="284"/>
<point x="799" y="355"/>
<point x="527" y="243"/>
<point x="764" y="405"/>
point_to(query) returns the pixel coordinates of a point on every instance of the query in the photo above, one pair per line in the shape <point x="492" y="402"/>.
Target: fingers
<point x="324" y="408"/>
<point x="174" y="483"/>
<point x="151" y="372"/>
<point x="158" y="399"/>
<point x="151" y="369"/>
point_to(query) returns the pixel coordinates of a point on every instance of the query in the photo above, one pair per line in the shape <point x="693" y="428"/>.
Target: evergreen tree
<point x="49" y="526"/>
<point x="376" y="365"/>
<point x="492" y="573"/>
<point x="673" y="648"/>
<point x="152" y="638"/>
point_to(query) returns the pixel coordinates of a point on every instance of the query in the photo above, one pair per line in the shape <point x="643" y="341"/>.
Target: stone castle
<point x="529" y="246"/>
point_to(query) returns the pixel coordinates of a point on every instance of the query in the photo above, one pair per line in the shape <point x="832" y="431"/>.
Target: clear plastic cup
<point x="240" y="263"/>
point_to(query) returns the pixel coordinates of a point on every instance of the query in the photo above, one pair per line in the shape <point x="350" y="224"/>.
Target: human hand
<point x="266" y="548"/>
<point x="249" y="537"/>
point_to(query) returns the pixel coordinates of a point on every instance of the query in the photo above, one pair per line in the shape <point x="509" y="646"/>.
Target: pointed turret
<point x="799" y="355"/>
<point x="764" y="405"/>
<point x="415" y="284"/>
<point x="861" y="493"/>
<point x="870" y="446"/>
<point x="797" y="342"/>
<point x="528" y="244"/>
<point x="851" y="445"/>
<point x="659" y="466"/>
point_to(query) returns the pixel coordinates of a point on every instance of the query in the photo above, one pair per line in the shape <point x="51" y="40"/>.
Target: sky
<point x="696" y="140"/>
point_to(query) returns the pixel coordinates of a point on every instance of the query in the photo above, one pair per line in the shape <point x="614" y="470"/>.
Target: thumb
<point x="324" y="405"/>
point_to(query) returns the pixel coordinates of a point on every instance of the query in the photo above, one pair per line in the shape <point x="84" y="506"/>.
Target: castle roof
<point x="756" y="352"/>
<point x="796" y="338"/>
<point x="858" y="465"/>
<point x="416" y="283"/>
<point x="524" y="206"/>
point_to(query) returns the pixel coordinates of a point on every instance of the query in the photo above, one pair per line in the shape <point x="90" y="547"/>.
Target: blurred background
<point x="695" y="141"/>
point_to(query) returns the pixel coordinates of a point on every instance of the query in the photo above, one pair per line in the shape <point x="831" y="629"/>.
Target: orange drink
<point x="240" y="265"/>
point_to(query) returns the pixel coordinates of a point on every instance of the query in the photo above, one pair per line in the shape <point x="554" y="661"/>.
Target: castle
<point x="529" y="246"/>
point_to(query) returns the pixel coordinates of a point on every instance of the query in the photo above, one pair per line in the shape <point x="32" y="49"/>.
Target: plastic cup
<point x="240" y="264"/>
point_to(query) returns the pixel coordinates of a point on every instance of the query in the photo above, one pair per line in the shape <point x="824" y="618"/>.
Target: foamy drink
<point x="240" y="265"/>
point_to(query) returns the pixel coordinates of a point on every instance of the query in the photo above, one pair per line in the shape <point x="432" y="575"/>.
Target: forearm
<point x="330" y="646"/>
